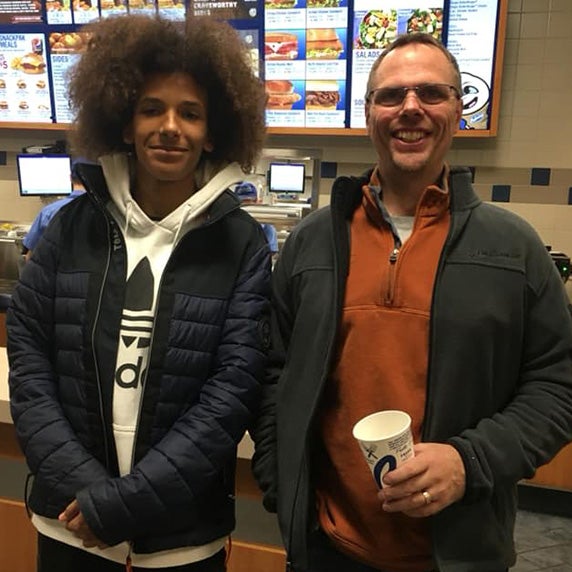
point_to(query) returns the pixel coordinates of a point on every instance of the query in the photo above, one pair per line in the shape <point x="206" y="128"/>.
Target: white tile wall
<point x="552" y="222"/>
<point x="535" y="5"/>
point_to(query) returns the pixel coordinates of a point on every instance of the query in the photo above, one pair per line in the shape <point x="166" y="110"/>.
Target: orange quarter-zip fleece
<point x="382" y="364"/>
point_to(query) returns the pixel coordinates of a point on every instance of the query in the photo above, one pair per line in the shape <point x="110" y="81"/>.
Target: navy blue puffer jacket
<point x="202" y="386"/>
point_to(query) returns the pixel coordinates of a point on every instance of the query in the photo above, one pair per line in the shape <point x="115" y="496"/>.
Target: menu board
<point x="227" y="9"/>
<point x="24" y="91"/>
<point x="470" y="36"/>
<point x="35" y="62"/>
<point x="376" y="24"/>
<point x="305" y="53"/>
<point x="316" y="60"/>
<point x="252" y="41"/>
<point x="471" y="39"/>
<point x="58" y="12"/>
<point x="20" y="11"/>
<point x="65" y="49"/>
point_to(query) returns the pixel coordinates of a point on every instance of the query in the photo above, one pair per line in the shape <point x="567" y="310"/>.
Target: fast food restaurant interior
<point x="526" y="167"/>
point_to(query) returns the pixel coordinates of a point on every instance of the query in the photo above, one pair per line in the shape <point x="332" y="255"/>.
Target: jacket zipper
<point x="304" y="466"/>
<point x="390" y="292"/>
<point x="94" y="351"/>
<point x="453" y="231"/>
<point x="144" y="380"/>
<point x="128" y="567"/>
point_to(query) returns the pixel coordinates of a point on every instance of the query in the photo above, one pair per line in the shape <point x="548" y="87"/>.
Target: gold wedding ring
<point x="427" y="497"/>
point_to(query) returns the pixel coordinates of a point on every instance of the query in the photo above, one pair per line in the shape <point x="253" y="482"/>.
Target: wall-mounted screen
<point x="44" y="175"/>
<point x="317" y="54"/>
<point x="286" y="177"/>
<point x="468" y="29"/>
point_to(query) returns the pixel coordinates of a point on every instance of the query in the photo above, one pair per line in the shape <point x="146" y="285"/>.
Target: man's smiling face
<point x="413" y="136"/>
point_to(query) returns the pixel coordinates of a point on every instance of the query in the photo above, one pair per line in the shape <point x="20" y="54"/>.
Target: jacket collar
<point x="347" y="191"/>
<point x="95" y="184"/>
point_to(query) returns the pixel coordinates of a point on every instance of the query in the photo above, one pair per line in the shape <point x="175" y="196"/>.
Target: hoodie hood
<point x="190" y="214"/>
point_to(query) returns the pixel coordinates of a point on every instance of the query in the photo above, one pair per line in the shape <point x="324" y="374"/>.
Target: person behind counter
<point x="47" y="213"/>
<point x="247" y="194"/>
<point x="410" y="293"/>
<point x="136" y="336"/>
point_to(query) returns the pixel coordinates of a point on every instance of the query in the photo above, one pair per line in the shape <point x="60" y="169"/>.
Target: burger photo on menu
<point x="280" y="94"/>
<point x="323" y="95"/>
<point x="279" y="4"/>
<point x="280" y="46"/>
<point x="323" y="44"/>
<point x="31" y="63"/>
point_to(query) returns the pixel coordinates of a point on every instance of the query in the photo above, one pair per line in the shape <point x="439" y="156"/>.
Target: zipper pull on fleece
<point x="393" y="255"/>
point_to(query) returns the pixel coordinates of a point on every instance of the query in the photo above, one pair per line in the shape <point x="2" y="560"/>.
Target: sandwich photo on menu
<point x="323" y="44"/>
<point x="323" y="3"/>
<point x="281" y="94"/>
<point x="280" y="46"/>
<point x="322" y="95"/>
<point x="30" y="63"/>
<point x="279" y="4"/>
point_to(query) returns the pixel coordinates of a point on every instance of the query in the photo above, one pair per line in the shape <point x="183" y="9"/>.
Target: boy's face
<point x="169" y="129"/>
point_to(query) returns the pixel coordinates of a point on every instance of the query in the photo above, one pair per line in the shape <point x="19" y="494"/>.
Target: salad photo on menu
<point x="428" y="21"/>
<point x="377" y="29"/>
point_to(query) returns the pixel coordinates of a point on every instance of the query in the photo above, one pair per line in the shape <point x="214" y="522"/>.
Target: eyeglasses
<point x="429" y="93"/>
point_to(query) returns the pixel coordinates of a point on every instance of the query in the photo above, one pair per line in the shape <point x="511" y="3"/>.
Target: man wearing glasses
<point x="409" y="293"/>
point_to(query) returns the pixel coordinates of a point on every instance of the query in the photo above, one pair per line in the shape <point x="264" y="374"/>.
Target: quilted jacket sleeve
<point x="159" y="493"/>
<point x="48" y="441"/>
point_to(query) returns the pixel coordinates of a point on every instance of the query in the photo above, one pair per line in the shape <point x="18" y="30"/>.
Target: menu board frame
<point x="491" y="131"/>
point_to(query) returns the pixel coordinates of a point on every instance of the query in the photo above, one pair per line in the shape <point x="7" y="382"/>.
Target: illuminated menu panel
<point x="305" y="52"/>
<point x="251" y="40"/>
<point x="64" y="49"/>
<point x="376" y="24"/>
<point x="58" y="12"/>
<point x="34" y="66"/>
<point x="471" y="39"/>
<point x="470" y="36"/>
<point x="309" y="46"/>
<point x="226" y="9"/>
<point x="24" y="91"/>
<point x="85" y="11"/>
<point x="20" y="12"/>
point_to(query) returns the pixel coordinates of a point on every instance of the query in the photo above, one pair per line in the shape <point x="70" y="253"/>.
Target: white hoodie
<point x="149" y="245"/>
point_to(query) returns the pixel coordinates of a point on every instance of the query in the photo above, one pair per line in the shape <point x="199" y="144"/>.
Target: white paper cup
<point x="385" y="440"/>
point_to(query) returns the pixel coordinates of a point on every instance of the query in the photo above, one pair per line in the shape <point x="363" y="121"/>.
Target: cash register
<point x="562" y="262"/>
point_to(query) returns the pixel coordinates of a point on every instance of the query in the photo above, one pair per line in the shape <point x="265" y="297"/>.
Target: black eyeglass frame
<point x="404" y="90"/>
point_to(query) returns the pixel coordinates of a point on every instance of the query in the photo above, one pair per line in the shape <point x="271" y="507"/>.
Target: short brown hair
<point x="419" y="38"/>
<point x="124" y="51"/>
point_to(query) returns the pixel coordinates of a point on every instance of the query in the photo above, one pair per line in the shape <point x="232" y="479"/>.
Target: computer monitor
<point x="286" y="177"/>
<point x="44" y="175"/>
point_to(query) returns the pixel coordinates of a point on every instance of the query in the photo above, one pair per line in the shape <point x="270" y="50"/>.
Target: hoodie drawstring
<point x="182" y="221"/>
<point x="128" y="212"/>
